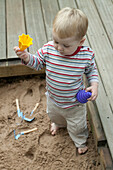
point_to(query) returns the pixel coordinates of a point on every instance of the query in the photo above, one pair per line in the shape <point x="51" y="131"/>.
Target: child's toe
<point x="82" y="150"/>
<point x="53" y="129"/>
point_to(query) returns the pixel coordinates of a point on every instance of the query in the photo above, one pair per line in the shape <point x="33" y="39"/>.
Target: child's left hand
<point x="94" y="90"/>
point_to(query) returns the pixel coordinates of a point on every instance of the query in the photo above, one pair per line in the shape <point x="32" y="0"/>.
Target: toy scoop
<point x="82" y="96"/>
<point x="31" y="116"/>
<point x="24" y="41"/>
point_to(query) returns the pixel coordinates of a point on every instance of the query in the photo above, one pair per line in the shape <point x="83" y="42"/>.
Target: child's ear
<point x="82" y="41"/>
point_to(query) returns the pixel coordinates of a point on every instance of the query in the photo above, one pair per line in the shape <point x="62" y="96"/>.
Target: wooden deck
<point x="35" y="17"/>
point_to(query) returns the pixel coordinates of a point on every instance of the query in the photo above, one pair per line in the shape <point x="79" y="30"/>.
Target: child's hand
<point x="24" y="55"/>
<point x="94" y="90"/>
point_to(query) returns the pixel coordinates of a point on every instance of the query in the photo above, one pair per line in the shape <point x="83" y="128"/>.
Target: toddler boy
<point x="66" y="60"/>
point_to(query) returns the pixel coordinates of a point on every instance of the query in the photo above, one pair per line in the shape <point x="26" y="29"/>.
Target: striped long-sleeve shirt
<point x="64" y="74"/>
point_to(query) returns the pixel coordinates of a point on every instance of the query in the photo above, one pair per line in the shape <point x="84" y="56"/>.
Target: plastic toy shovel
<point x="24" y="132"/>
<point x="20" y="114"/>
<point x="31" y="116"/>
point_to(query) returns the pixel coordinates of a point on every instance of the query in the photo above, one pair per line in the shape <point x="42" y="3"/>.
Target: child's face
<point x="66" y="46"/>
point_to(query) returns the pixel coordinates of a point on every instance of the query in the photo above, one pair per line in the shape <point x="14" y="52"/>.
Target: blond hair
<point x="70" y="22"/>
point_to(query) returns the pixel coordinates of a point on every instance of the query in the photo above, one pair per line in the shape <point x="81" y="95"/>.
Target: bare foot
<point x="54" y="128"/>
<point x="82" y="150"/>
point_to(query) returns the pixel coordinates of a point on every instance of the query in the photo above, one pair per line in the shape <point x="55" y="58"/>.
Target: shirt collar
<point x="78" y="49"/>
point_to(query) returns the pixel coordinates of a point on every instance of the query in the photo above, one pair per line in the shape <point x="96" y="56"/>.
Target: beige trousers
<point x="73" y="118"/>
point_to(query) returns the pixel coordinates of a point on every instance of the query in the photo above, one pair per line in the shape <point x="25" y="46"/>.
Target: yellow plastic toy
<point x="24" y="41"/>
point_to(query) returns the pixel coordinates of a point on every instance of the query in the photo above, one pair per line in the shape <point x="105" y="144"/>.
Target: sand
<point x="37" y="150"/>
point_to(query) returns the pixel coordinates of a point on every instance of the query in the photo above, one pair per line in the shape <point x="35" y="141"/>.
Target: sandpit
<point x="37" y="150"/>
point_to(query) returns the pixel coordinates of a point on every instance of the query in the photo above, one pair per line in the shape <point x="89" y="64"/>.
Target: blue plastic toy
<point x="24" y="132"/>
<point x="20" y="114"/>
<point x="82" y="96"/>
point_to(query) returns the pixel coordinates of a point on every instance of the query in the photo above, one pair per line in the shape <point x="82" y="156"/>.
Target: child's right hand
<point x="24" y="55"/>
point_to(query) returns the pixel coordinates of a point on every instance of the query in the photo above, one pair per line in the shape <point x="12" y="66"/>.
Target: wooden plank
<point x="95" y="121"/>
<point x="100" y="43"/>
<point x="67" y="3"/>
<point x="50" y="9"/>
<point x="35" y="24"/>
<point x="2" y="63"/>
<point x="18" y="70"/>
<point x="105" y="9"/>
<point x="2" y="30"/>
<point x="106" y="115"/>
<point x="100" y="139"/>
<point x="15" y="24"/>
<point x="105" y="159"/>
